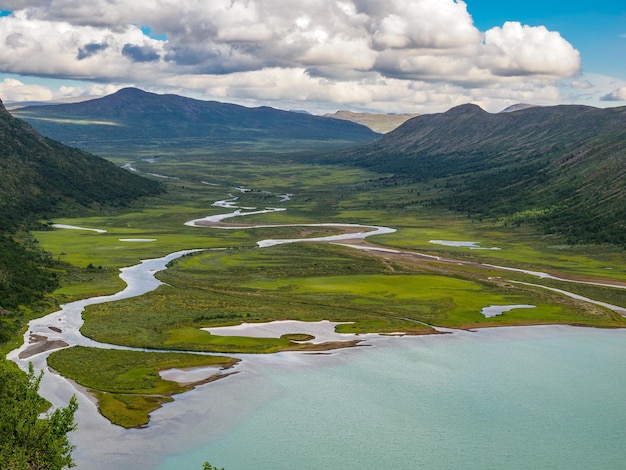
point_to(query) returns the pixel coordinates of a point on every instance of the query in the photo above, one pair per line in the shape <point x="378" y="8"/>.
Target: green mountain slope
<point x="135" y="117"/>
<point x="40" y="177"/>
<point x="563" y="167"/>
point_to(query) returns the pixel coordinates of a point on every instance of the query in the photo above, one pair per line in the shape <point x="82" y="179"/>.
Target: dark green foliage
<point x="25" y="275"/>
<point x="132" y="117"/>
<point x="26" y="441"/>
<point x="208" y="466"/>
<point x="39" y="176"/>
<point x="561" y="167"/>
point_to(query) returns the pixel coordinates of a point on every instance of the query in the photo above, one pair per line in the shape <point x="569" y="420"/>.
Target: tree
<point x="208" y="466"/>
<point x="28" y="442"/>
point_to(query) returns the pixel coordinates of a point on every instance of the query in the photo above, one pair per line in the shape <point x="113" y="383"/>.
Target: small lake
<point x="523" y="398"/>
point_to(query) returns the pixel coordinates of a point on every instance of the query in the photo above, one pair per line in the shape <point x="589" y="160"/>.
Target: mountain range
<point x="561" y="166"/>
<point x="558" y="166"/>
<point x="132" y="117"/>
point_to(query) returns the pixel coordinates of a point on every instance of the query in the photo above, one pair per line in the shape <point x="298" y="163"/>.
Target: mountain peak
<point x="128" y="94"/>
<point x="131" y="91"/>
<point x="467" y="108"/>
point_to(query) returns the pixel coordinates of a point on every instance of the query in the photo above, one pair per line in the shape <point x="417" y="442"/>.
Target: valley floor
<point x="313" y="271"/>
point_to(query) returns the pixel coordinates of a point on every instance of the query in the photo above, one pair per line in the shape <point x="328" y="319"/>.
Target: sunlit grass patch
<point x="376" y="287"/>
<point x="128" y="411"/>
<point x="197" y="339"/>
<point x="436" y="300"/>
<point x="88" y="282"/>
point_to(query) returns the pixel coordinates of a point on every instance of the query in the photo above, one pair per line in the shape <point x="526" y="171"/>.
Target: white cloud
<point x="12" y="90"/>
<point x="425" y="24"/>
<point x="340" y="52"/>
<point x="582" y="84"/>
<point x="337" y="52"/>
<point x="591" y="89"/>
<point x="98" y="89"/>
<point x="616" y="95"/>
<point x="38" y="47"/>
<point x="515" y="50"/>
<point x="290" y="88"/>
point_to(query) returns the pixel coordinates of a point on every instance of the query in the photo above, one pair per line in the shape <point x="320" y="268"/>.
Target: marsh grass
<point x="305" y="281"/>
<point x="314" y="282"/>
<point x="519" y="247"/>
<point x="88" y="282"/>
<point x="128" y="411"/>
<point x="298" y="337"/>
<point x="218" y="287"/>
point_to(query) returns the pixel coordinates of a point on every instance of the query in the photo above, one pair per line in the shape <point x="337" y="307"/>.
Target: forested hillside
<point x="40" y="177"/>
<point x="563" y="167"/>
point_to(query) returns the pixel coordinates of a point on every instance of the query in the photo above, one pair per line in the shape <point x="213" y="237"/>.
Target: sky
<point x="417" y="56"/>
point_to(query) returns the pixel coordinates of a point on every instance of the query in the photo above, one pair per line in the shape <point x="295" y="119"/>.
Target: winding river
<point x="183" y="427"/>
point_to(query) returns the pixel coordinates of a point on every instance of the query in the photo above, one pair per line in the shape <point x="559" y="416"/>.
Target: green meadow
<point x="233" y="281"/>
<point x="313" y="282"/>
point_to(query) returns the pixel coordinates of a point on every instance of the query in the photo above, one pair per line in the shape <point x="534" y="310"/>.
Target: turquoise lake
<point x="515" y="398"/>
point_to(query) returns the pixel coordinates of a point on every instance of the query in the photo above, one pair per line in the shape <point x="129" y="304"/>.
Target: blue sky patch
<point x="147" y="30"/>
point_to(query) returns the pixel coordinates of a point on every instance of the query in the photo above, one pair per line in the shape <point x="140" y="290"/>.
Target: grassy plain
<point x="313" y="282"/>
<point x="320" y="194"/>
<point x="233" y="281"/>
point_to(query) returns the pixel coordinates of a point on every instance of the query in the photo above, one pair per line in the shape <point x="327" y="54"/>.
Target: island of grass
<point x="127" y="384"/>
<point x="298" y="337"/>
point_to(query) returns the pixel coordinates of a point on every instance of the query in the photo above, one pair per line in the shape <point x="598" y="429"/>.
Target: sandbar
<point x="323" y="331"/>
<point x="41" y="344"/>
<point x="74" y="227"/>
